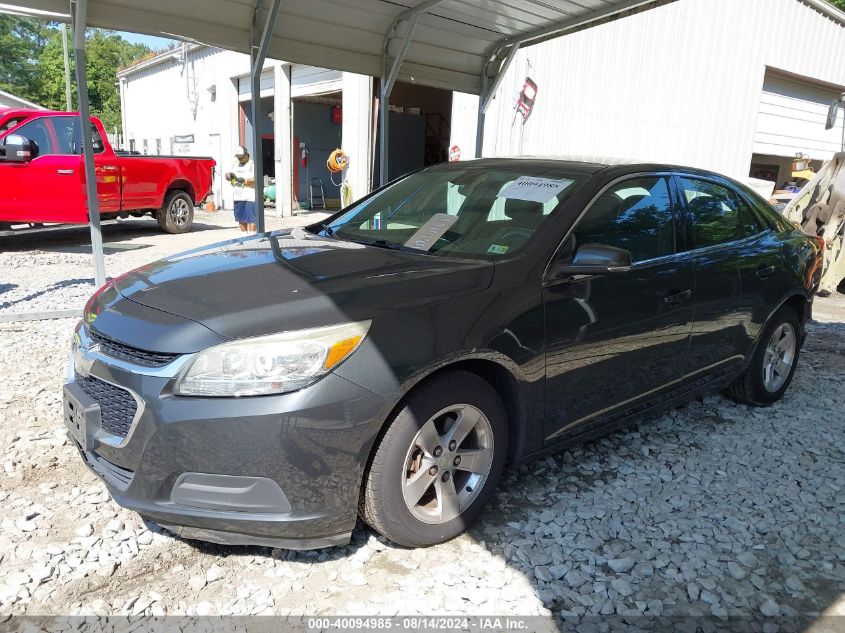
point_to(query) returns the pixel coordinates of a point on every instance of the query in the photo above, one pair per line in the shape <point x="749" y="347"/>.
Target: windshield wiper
<point x="328" y="230"/>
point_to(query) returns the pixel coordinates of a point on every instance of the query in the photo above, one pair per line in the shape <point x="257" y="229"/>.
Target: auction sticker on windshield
<point x="428" y="234"/>
<point x="533" y="189"/>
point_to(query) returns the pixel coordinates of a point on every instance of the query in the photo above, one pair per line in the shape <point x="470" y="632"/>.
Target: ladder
<point x="317" y="196"/>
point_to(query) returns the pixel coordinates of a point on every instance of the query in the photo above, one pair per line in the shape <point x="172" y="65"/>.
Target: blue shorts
<point x="245" y="211"/>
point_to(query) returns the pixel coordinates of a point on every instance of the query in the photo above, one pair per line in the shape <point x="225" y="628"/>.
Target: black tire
<point x="750" y="387"/>
<point x="177" y="213"/>
<point x="382" y="505"/>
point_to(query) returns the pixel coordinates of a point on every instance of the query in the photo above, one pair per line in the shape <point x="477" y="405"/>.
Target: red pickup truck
<point x="42" y="176"/>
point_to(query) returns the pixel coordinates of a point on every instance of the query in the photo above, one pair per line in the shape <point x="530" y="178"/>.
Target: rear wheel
<point x="773" y="365"/>
<point x="177" y="213"/>
<point x="437" y="463"/>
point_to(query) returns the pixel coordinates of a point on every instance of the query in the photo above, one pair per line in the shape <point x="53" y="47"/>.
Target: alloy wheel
<point x="779" y="357"/>
<point x="179" y="212"/>
<point x="447" y="463"/>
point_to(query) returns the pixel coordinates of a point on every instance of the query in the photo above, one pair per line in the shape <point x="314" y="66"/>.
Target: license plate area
<point x="82" y="416"/>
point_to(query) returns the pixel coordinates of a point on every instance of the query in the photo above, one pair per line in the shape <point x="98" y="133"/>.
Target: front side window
<point x="718" y="214"/>
<point x="636" y="215"/>
<point x="38" y="134"/>
<point x="461" y="209"/>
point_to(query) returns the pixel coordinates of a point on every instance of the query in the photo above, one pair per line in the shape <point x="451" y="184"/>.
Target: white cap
<point x="241" y="151"/>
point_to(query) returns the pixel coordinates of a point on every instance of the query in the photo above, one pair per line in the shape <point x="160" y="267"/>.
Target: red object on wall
<point x="337" y="115"/>
<point x="525" y="103"/>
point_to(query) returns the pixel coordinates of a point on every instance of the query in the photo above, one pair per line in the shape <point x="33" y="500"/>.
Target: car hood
<point x="282" y="281"/>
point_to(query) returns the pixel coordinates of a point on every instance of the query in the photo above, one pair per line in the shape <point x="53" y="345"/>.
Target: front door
<point x="616" y="338"/>
<point x="46" y="189"/>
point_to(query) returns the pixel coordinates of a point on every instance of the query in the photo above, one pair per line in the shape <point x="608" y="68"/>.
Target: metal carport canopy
<point x="462" y="45"/>
<point x="452" y="43"/>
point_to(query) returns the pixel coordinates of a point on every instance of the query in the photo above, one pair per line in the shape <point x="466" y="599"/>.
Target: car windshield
<point x="460" y="210"/>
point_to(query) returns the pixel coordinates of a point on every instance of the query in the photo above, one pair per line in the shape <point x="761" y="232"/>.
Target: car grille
<point x="131" y="354"/>
<point x="117" y="406"/>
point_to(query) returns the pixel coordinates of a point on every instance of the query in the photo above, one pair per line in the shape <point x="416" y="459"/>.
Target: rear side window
<point x="719" y="214"/>
<point x="636" y="215"/>
<point x="69" y="139"/>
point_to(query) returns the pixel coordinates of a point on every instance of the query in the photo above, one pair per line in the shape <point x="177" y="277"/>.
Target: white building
<point x="8" y="100"/>
<point x="196" y="100"/>
<point x="737" y="86"/>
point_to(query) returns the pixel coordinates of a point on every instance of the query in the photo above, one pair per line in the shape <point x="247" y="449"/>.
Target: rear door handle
<point x="765" y="271"/>
<point x="677" y="297"/>
<point x="64" y="172"/>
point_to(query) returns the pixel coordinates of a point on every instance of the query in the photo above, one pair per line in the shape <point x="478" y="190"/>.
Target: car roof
<point x="588" y="165"/>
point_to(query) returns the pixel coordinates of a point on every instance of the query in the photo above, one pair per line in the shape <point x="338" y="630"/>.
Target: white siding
<point x="791" y="119"/>
<point x="309" y="80"/>
<point x="679" y="84"/>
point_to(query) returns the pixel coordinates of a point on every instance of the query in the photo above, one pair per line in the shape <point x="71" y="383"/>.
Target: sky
<point x="155" y="43"/>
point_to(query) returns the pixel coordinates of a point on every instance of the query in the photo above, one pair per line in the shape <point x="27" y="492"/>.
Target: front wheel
<point x="773" y="364"/>
<point x="437" y="463"/>
<point x="177" y="213"/>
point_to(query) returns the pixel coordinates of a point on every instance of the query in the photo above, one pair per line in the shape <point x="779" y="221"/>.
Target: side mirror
<point x="595" y="259"/>
<point x="16" y="149"/>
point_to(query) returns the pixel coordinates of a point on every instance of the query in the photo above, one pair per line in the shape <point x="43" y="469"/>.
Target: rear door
<point x="737" y="268"/>
<point x="617" y="338"/>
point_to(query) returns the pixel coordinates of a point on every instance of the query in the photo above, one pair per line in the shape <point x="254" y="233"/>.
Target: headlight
<point x="270" y="364"/>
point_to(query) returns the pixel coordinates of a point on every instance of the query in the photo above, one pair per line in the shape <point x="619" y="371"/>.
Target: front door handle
<point x="765" y="271"/>
<point x="677" y="297"/>
<point x="64" y="172"/>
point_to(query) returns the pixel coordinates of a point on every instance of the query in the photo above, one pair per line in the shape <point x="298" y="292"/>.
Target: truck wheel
<point x="177" y="213"/>
<point x="437" y="462"/>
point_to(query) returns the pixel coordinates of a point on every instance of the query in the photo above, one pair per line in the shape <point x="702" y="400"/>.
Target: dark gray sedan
<point x="390" y="362"/>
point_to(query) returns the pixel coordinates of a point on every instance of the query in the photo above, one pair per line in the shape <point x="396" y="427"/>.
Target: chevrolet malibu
<point x="389" y="362"/>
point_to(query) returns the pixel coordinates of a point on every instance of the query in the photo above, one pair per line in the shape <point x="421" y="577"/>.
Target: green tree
<point x="838" y="3"/>
<point x="105" y="54"/>
<point x="21" y="41"/>
<point x="32" y="65"/>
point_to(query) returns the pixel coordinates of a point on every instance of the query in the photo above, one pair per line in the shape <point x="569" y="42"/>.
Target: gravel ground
<point x="52" y="270"/>
<point x="713" y="509"/>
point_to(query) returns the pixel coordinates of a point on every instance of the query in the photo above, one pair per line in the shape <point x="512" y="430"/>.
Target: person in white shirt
<point x="242" y="178"/>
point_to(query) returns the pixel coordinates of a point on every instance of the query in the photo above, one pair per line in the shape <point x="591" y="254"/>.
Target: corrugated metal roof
<point x="453" y="41"/>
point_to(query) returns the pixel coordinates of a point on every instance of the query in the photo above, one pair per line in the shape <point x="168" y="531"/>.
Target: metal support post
<point x="258" y="54"/>
<point x="388" y="78"/>
<point x="79" y="14"/>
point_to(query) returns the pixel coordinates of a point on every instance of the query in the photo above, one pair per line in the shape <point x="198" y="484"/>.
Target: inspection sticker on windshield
<point x="497" y="249"/>
<point x="534" y="189"/>
<point x="431" y="231"/>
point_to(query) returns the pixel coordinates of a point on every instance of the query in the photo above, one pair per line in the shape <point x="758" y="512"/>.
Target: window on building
<point x="158" y="146"/>
<point x="636" y="215"/>
<point x="131" y="144"/>
<point x="146" y="147"/>
<point x="719" y="215"/>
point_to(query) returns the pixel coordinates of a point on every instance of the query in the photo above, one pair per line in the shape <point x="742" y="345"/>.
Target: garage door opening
<point x="317" y="132"/>
<point x="420" y="122"/>
<point x="265" y="129"/>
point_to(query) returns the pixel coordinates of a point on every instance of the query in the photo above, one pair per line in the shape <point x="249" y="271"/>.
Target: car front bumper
<point x="279" y="471"/>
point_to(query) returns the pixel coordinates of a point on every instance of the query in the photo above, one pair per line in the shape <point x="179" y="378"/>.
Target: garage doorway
<point x="419" y="122"/>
